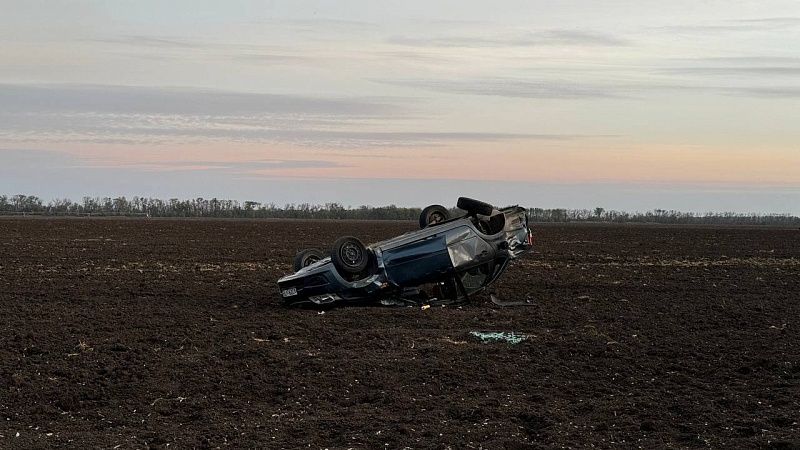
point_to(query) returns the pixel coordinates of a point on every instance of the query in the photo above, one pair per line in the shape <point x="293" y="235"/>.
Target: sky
<point x="627" y="105"/>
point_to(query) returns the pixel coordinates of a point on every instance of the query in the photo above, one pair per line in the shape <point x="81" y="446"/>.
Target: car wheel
<point x="432" y="215"/>
<point x="307" y="257"/>
<point x="475" y="207"/>
<point x="349" y="255"/>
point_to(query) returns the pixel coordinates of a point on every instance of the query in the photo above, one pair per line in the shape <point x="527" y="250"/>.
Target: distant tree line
<point x="200" y="207"/>
<point x="660" y="216"/>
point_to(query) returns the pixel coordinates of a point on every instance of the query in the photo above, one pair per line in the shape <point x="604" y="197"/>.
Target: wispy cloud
<point x="150" y="41"/>
<point x="749" y="60"/>
<point x="173" y="48"/>
<point x="235" y="167"/>
<point x="758" y="24"/>
<point x="558" y="89"/>
<point x="774" y="93"/>
<point x="733" y="70"/>
<point x="734" y="66"/>
<point x="20" y="159"/>
<point x="515" y="88"/>
<point x="771" y="22"/>
<point x="19" y="98"/>
<point x="559" y="37"/>
<point x="272" y="58"/>
<point x="414" y="56"/>
<point x="99" y="132"/>
<point x="321" y="23"/>
<point x="103" y="114"/>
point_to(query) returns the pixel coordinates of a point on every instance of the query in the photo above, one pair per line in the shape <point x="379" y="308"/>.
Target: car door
<point x="418" y="262"/>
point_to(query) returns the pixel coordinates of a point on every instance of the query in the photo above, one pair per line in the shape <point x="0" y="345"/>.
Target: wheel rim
<point x="310" y="259"/>
<point x="351" y="254"/>
<point x="436" y="217"/>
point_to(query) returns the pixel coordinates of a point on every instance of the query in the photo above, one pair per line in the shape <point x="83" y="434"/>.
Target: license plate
<point x="289" y="292"/>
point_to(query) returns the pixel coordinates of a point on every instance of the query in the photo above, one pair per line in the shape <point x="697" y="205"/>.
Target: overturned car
<point x="446" y="261"/>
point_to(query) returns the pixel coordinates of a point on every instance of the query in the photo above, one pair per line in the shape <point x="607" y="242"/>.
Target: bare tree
<point x="598" y="212"/>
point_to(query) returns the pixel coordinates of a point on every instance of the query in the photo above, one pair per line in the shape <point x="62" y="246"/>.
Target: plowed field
<point x="124" y="333"/>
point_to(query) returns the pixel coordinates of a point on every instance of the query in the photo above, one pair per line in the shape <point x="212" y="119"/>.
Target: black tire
<point x="474" y="207"/>
<point x="349" y="255"/>
<point x="305" y="258"/>
<point x="432" y="215"/>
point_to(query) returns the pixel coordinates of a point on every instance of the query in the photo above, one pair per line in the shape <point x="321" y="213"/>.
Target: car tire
<point x="475" y="207"/>
<point x="305" y="258"/>
<point x="432" y="215"/>
<point x="349" y="255"/>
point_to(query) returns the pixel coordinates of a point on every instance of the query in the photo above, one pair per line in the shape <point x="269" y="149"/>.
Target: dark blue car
<point x="447" y="260"/>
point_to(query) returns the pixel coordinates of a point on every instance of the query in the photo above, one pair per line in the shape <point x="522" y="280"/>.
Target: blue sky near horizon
<point x="622" y="104"/>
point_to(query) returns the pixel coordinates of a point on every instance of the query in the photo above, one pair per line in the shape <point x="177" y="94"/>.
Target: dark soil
<point x="143" y="333"/>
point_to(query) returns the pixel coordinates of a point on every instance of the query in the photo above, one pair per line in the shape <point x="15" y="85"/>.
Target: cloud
<point x="142" y="133"/>
<point x="316" y="24"/>
<point x="272" y="58"/>
<point x="581" y="90"/>
<point x="151" y="41"/>
<point x="776" y="92"/>
<point x="233" y="167"/>
<point x="559" y="37"/>
<point x="750" y="60"/>
<point x="172" y="48"/>
<point x="515" y="88"/>
<point x="761" y="24"/>
<point x="414" y="57"/>
<point x="21" y="98"/>
<point x="135" y="115"/>
<point x="740" y="70"/>
<point x="16" y="159"/>
<point x="771" y="22"/>
<point x="734" y="66"/>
